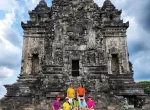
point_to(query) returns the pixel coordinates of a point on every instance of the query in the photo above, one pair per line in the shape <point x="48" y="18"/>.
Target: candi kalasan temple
<point x="74" y="41"/>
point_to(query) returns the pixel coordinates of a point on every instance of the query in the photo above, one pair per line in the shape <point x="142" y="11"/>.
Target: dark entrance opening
<point x="35" y="64"/>
<point x="115" y="64"/>
<point x="111" y="16"/>
<point x="75" y="68"/>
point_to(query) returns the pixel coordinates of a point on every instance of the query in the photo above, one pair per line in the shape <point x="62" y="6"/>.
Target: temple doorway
<point x="35" y="64"/>
<point x="75" y="68"/>
<point x="115" y="64"/>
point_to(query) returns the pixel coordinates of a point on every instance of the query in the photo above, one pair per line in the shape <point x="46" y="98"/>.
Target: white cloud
<point x="30" y="4"/>
<point x="142" y="61"/>
<point x="5" y="72"/>
<point x="132" y="34"/>
<point x="15" y="11"/>
<point x="115" y="2"/>
<point x="10" y="53"/>
<point x="7" y="5"/>
<point x="8" y="49"/>
<point x="8" y="20"/>
<point x="141" y="64"/>
<point x="99" y="2"/>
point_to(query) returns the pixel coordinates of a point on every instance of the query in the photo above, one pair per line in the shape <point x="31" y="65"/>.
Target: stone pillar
<point x="40" y="68"/>
<point x="120" y="64"/>
<point x="29" y="65"/>
<point x="109" y="64"/>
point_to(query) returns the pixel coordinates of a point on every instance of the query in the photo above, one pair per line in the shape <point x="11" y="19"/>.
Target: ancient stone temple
<point x="74" y="41"/>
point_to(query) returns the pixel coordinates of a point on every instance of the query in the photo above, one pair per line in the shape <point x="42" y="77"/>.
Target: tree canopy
<point x="146" y="85"/>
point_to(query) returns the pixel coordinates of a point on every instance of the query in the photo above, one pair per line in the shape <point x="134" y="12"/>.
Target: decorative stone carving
<point x="100" y="57"/>
<point x="73" y="30"/>
<point x="91" y="58"/>
<point x="58" y="57"/>
<point x="113" y="50"/>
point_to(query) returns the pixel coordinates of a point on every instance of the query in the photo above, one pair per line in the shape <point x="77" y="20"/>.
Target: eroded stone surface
<point x="80" y="31"/>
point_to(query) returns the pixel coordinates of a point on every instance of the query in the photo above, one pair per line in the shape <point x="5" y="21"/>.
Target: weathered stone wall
<point x="34" y="36"/>
<point x="72" y="30"/>
<point x="32" y="46"/>
<point x="117" y="45"/>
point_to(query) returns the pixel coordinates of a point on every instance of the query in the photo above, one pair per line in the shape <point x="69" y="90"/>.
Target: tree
<point x="146" y="85"/>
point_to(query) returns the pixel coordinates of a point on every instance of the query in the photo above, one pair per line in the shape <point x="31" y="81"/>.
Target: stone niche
<point x="74" y="41"/>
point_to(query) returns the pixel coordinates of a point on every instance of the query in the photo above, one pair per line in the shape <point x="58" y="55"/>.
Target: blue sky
<point x="12" y="12"/>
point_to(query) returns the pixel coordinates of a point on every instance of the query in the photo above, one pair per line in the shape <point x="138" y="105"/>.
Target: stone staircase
<point x="75" y="81"/>
<point x="46" y="105"/>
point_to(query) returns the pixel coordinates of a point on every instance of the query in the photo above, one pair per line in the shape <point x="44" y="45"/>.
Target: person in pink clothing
<point x="90" y="103"/>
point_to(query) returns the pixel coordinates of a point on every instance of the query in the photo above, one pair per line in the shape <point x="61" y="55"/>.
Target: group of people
<point x="73" y="103"/>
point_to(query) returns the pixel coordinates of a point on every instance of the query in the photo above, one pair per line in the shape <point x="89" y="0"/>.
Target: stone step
<point x="75" y="81"/>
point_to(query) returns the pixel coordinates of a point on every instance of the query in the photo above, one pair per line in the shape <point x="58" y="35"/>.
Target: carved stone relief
<point x="71" y="30"/>
<point x="91" y="44"/>
<point x="99" y="39"/>
<point x="113" y="44"/>
<point x="100" y="57"/>
<point x="58" y="57"/>
<point x="113" y="50"/>
<point x="90" y="57"/>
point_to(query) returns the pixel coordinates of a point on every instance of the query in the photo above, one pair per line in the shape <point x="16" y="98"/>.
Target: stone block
<point x="110" y="108"/>
<point x="29" y="109"/>
<point x="130" y="106"/>
<point x="73" y="30"/>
